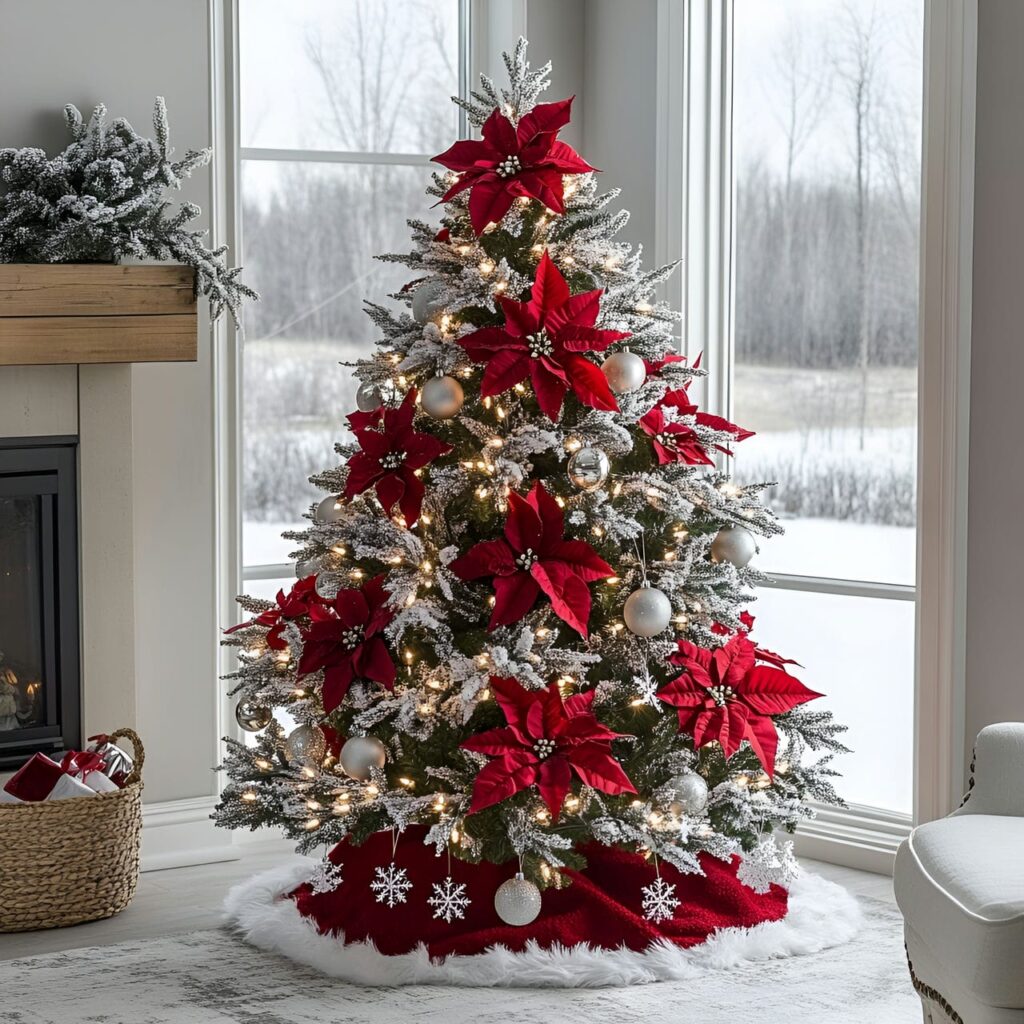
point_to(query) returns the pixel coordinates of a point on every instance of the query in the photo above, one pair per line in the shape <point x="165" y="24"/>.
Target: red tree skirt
<point x="600" y="909"/>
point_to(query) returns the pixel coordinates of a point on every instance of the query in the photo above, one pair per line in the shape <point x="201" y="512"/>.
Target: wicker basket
<point x="67" y="861"/>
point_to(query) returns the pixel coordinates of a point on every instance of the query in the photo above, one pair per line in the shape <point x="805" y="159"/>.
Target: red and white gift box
<point x="42" y="779"/>
<point x="88" y="767"/>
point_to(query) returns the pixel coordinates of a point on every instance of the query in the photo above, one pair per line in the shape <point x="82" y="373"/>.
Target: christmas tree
<point x="521" y="621"/>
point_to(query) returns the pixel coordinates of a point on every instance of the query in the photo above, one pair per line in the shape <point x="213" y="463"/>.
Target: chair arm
<point x="997" y="772"/>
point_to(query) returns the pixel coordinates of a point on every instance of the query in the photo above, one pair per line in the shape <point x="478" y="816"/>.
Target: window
<point x="341" y="105"/>
<point x="802" y="157"/>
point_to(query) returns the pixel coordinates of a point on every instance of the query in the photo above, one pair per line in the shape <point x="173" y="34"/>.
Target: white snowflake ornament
<point x="659" y="902"/>
<point x="768" y="864"/>
<point x="326" y="877"/>
<point x="391" y="885"/>
<point x="449" y="900"/>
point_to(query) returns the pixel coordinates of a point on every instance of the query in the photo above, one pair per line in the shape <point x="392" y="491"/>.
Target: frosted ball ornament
<point x="307" y="745"/>
<point x="624" y="371"/>
<point x="442" y="397"/>
<point x="252" y="716"/>
<point x="329" y="510"/>
<point x="426" y="301"/>
<point x="360" y="754"/>
<point x="647" y="612"/>
<point x="588" y="469"/>
<point x="733" y="544"/>
<point x="517" y="901"/>
<point x="368" y="397"/>
<point x="691" y="794"/>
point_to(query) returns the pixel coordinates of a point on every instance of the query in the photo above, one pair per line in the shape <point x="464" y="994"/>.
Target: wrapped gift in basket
<point x="70" y="836"/>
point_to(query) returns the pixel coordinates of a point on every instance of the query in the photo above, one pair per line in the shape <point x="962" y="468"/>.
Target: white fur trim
<point x="821" y="914"/>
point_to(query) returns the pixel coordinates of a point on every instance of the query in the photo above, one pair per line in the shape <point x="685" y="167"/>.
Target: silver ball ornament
<point x="647" y="611"/>
<point x="442" y="397"/>
<point x="517" y="901"/>
<point x="426" y="302"/>
<point x="624" y="371"/>
<point x="733" y="544"/>
<point x="306" y="745"/>
<point x="588" y="469"/>
<point x="329" y="510"/>
<point x="252" y="716"/>
<point x="308" y="567"/>
<point x="691" y="794"/>
<point x="361" y="753"/>
<point x="368" y="397"/>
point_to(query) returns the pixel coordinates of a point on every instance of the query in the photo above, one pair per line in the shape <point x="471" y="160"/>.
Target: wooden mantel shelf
<point x="96" y="313"/>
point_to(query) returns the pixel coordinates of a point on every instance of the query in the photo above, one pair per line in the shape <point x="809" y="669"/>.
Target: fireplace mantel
<point x="54" y="313"/>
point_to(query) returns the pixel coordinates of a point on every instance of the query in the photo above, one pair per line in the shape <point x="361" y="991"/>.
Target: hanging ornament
<point x="624" y="371"/>
<point x="360" y="754"/>
<point x="449" y="900"/>
<point x="647" y="611"/>
<point x="306" y="745"/>
<point x="326" y="878"/>
<point x="391" y="885"/>
<point x="588" y="469"/>
<point x="691" y="794"/>
<point x="733" y="544"/>
<point x="659" y="900"/>
<point x="426" y="302"/>
<point x="368" y="397"/>
<point x="252" y="716"/>
<point x="517" y="901"/>
<point x="442" y="397"/>
<point x="329" y="510"/>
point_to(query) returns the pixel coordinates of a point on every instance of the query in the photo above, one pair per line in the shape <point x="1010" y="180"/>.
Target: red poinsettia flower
<point x="724" y="695"/>
<point x="513" y="160"/>
<point x="545" y="741"/>
<point x="344" y="639"/>
<point x="390" y="457"/>
<point x="543" y="339"/>
<point x="291" y="606"/>
<point x="532" y="559"/>
<point x="760" y="653"/>
<point x="677" y="442"/>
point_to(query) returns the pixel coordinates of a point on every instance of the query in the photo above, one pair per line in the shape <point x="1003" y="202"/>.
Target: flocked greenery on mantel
<point x="104" y="200"/>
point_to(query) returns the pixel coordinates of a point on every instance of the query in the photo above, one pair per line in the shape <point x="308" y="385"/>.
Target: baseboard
<point x="179" y="833"/>
<point x="853" y="837"/>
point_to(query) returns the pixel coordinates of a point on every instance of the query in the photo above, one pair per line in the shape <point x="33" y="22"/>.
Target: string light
<point x="312" y="824"/>
<point x="574" y="444"/>
<point x="486" y="267"/>
<point x="407" y="782"/>
<point x="644" y="308"/>
<point x="263" y="765"/>
<point x="248" y="796"/>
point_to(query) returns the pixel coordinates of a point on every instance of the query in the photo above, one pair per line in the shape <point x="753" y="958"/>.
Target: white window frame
<point x="694" y="192"/>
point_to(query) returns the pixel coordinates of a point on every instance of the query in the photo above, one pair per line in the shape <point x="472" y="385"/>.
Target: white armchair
<point x="960" y="884"/>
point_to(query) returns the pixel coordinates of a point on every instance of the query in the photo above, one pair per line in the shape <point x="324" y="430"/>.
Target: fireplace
<point x="39" y="608"/>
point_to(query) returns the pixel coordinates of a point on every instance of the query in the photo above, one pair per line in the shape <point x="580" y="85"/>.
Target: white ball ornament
<point x="624" y="371"/>
<point x="368" y="397"/>
<point x="733" y="544"/>
<point x="361" y="753"/>
<point x="647" y="612"/>
<point x="329" y="510"/>
<point x="588" y="469"/>
<point x="307" y="745"/>
<point x="442" y="397"/>
<point x="517" y="901"/>
<point x="691" y="794"/>
<point x="426" y="303"/>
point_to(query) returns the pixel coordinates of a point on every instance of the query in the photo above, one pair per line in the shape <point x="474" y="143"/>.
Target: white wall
<point x="124" y="53"/>
<point x="995" y="567"/>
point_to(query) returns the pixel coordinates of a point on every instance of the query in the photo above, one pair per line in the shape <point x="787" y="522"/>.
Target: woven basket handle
<point x="140" y="752"/>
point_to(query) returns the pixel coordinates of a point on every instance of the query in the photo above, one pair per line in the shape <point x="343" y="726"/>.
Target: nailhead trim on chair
<point x="927" y="992"/>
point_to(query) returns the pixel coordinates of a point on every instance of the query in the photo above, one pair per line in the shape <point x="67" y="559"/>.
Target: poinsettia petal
<point x="535" y="721"/>
<point x="514" y="596"/>
<point x="569" y="595"/>
<point x="764" y="741"/>
<point x="580" y="703"/>
<point x="494" y="742"/>
<point x="411" y="501"/>
<point x="521" y="318"/>
<point x="499" y="131"/>
<point x="544" y="118"/>
<point x="549" y="287"/>
<point x="422" y="449"/>
<point x="590" y="384"/>
<point x="586" y="562"/>
<point x="398" y="422"/>
<point x="770" y="691"/>
<point x="577" y="338"/>
<point x="375" y="443"/>
<point x="464" y="155"/>
<point x="523" y="525"/>
<point x="481" y="345"/>
<point x="683" y="692"/>
<point x="488" y="558"/>
<point x="550" y="515"/>
<point x="372" y="661"/>
<point x="554" y="780"/>
<point x="489" y="201"/>
<point x="583" y="728"/>
<point x="358" y="421"/>
<point x="390" y="488"/>
<point x="707" y="419"/>
<point x="595" y="764"/>
<point x="501" y="778"/>
<point x="505" y="370"/>
<point x="566" y="160"/>
<point x="543" y="184"/>
<point x="337" y="680"/>
<point x="580" y="310"/>
<point x="513" y="699"/>
<point x="351" y="606"/>
<point x="362" y="472"/>
<point x="734" y="660"/>
<point x="550" y="391"/>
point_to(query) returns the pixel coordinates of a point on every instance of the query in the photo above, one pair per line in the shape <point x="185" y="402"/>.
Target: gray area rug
<point x="213" y="978"/>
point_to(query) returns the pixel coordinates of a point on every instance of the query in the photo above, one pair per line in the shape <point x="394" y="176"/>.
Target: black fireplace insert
<point x="40" y="664"/>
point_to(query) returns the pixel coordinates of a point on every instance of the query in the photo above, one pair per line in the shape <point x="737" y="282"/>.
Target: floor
<point x="189" y="899"/>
